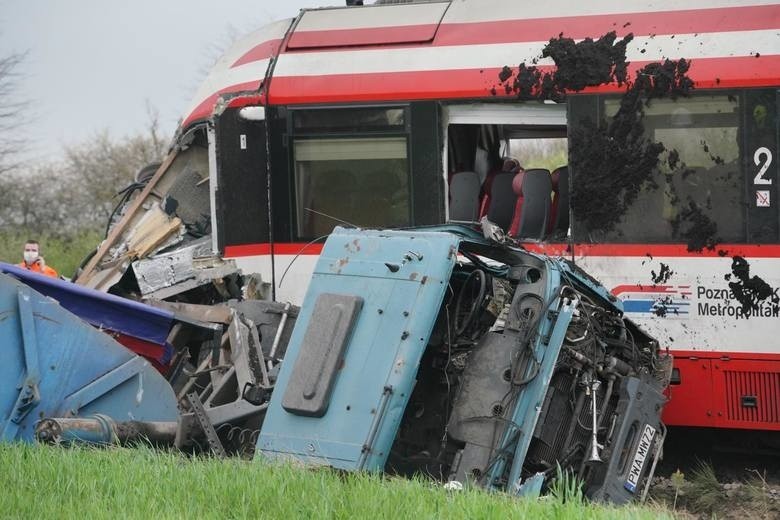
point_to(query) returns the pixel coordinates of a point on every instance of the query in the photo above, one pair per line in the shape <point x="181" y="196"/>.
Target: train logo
<point x="666" y="301"/>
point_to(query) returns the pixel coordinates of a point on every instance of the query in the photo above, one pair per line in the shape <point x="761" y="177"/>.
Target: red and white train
<point x="393" y="115"/>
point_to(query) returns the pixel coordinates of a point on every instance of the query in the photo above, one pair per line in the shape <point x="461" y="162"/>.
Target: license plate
<point x="635" y="471"/>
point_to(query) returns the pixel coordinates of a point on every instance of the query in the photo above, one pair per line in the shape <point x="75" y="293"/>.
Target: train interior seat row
<point x="529" y="203"/>
<point x="485" y="179"/>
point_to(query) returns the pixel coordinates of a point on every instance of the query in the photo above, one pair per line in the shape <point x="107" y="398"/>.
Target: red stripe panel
<point x="261" y="51"/>
<point x="206" y="107"/>
<point x="658" y="250"/>
<point x="609" y="250"/>
<point x="745" y="71"/>
<point x="247" y="250"/>
<point x="746" y="356"/>
<point x="293" y="248"/>
<point x="689" y="21"/>
<point x="253" y="99"/>
<point x="151" y="351"/>
<point x="362" y="36"/>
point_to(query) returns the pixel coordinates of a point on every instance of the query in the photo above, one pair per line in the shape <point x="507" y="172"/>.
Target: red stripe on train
<point x="658" y="250"/>
<point x="261" y="51"/>
<point x="688" y="21"/>
<point x="744" y="71"/>
<point x="362" y="36"/>
<point x="609" y="250"/>
<point x="726" y="356"/>
<point x="205" y="107"/>
<point x="293" y="248"/>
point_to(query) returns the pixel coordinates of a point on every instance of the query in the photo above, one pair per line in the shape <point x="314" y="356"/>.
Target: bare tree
<point x="79" y="191"/>
<point x="11" y="116"/>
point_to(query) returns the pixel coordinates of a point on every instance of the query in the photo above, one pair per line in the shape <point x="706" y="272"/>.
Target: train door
<point x="239" y="188"/>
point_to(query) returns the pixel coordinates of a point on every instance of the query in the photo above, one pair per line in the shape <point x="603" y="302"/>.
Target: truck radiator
<point x="549" y="444"/>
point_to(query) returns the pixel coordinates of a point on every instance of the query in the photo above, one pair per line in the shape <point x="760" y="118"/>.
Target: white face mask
<point x="30" y="256"/>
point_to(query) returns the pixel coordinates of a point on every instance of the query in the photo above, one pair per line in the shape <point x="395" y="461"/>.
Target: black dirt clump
<point x="663" y="306"/>
<point x="673" y="159"/>
<point x="714" y="158"/>
<point x="616" y="156"/>
<point x="579" y="65"/>
<point x="663" y="274"/>
<point x="699" y="230"/>
<point x="505" y="74"/>
<point x="750" y="292"/>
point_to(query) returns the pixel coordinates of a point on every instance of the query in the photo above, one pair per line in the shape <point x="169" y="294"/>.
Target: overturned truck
<point x="433" y="351"/>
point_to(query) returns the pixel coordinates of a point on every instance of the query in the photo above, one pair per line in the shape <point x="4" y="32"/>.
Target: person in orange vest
<point x="33" y="261"/>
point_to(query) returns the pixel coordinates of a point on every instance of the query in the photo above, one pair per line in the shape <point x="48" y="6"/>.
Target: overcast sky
<point x="93" y="64"/>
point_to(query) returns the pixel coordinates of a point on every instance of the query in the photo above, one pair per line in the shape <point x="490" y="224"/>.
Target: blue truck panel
<point x="56" y="365"/>
<point x="402" y="278"/>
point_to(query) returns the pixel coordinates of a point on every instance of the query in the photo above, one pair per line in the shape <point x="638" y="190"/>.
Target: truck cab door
<point x="353" y="357"/>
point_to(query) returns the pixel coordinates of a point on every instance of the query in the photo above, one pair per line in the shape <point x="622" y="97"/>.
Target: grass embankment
<point x="63" y="253"/>
<point x="49" y="482"/>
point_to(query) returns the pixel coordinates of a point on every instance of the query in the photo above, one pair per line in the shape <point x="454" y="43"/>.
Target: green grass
<point x="63" y="253"/>
<point x="50" y="482"/>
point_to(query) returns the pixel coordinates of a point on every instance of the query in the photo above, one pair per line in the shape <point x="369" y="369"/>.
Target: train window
<point x="350" y="120"/>
<point x="697" y="186"/>
<point x="363" y="181"/>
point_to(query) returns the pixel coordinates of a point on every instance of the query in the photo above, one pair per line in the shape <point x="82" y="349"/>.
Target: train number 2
<point x="767" y="154"/>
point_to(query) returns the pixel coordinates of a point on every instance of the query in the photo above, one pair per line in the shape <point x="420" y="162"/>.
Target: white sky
<point x="93" y="64"/>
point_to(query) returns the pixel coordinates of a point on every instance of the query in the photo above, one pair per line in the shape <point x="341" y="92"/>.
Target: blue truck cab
<point x="437" y="351"/>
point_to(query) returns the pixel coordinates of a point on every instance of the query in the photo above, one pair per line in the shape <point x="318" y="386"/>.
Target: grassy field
<point x="49" y="482"/>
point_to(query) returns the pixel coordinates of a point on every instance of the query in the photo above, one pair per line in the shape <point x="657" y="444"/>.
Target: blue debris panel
<point x="102" y="310"/>
<point x="57" y="365"/>
<point x="352" y="360"/>
<point x="141" y="328"/>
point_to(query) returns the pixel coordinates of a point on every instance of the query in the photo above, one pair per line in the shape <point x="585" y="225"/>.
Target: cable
<point x="299" y="254"/>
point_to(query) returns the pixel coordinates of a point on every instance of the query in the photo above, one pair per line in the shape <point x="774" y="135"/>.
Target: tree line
<point x="74" y="193"/>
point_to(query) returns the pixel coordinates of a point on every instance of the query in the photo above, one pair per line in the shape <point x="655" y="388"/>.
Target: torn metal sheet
<point x="206" y="276"/>
<point x="194" y="262"/>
